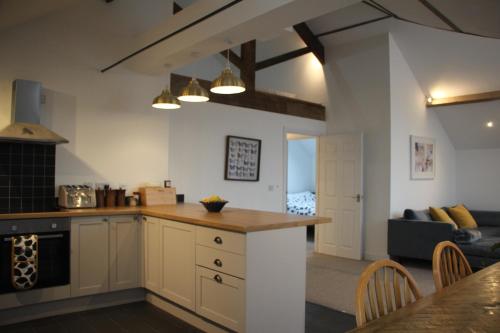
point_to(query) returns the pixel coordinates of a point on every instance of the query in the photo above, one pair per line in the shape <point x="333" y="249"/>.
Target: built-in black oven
<point x="53" y="251"/>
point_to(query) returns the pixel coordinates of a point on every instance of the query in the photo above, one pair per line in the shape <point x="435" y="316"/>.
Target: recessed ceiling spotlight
<point x="490" y="124"/>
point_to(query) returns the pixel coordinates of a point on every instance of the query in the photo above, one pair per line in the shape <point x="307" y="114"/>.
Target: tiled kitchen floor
<point x="142" y="317"/>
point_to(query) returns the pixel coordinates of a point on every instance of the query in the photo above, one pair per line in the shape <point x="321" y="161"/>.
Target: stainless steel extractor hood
<point x="25" y="127"/>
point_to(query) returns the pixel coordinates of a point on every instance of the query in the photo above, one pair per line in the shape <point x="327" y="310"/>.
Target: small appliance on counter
<point x="77" y="196"/>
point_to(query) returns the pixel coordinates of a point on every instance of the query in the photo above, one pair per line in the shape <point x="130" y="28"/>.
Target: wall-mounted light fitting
<point x="490" y="124"/>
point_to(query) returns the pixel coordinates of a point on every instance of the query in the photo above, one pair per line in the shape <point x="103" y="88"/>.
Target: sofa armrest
<point x="416" y="239"/>
<point x="486" y="218"/>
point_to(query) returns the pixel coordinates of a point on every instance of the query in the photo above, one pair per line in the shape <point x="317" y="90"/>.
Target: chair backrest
<point x="449" y="265"/>
<point x="384" y="287"/>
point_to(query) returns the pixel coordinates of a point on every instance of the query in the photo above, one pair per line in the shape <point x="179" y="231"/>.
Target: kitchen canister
<point x="110" y="198"/>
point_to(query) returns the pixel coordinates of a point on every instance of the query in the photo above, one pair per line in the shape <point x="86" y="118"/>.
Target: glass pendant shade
<point x="227" y="83"/>
<point x="193" y="92"/>
<point x="166" y="101"/>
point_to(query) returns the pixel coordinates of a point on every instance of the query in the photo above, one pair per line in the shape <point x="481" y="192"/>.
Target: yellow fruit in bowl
<point x="212" y="198"/>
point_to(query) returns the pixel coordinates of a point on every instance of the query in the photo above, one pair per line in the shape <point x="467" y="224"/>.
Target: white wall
<point x="301" y="165"/>
<point x="409" y="116"/>
<point x="197" y="152"/>
<point x="115" y="136"/>
<point x="478" y="181"/>
<point x="357" y="76"/>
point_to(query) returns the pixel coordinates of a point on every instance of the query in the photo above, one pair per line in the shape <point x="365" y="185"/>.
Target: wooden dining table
<point x="470" y="305"/>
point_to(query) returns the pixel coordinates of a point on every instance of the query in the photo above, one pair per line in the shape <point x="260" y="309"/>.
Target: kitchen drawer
<point x="220" y="239"/>
<point x="222" y="261"/>
<point x="220" y="298"/>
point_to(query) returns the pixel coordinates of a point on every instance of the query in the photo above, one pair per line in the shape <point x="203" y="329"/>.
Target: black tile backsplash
<point x="27" y="177"/>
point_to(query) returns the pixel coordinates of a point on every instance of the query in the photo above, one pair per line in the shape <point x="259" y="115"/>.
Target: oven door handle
<point x="9" y="239"/>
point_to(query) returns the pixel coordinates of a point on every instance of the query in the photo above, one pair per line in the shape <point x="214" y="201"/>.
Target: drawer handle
<point x="218" y="240"/>
<point x="217" y="278"/>
<point x="218" y="262"/>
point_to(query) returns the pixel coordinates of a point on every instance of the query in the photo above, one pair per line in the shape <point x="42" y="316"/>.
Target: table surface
<point x="470" y="305"/>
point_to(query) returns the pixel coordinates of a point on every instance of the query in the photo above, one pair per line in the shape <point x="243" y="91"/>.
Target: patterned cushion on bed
<point x="302" y="203"/>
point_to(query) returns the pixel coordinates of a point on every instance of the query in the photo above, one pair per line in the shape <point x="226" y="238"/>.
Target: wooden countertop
<point x="232" y="219"/>
<point x="470" y="305"/>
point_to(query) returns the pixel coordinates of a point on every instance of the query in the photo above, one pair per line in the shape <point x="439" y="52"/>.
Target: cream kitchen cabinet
<point x="104" y="254"/>
<point x="178" y="259"/>
<point x="123" y="252"/>
<point x="169" y="250"/>
<point x="221" y="298"/>
<point x="152" y="254"/>
<point x="89" y="256"/>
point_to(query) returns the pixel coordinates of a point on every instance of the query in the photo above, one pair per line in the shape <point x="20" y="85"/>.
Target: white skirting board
<point x="42" y="310"/>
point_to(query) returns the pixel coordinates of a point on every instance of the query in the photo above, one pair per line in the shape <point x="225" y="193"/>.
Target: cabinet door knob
<point x="218" y="240"/>
<point x="144" y="218"/>
<point x="218" y="262"/>
<point x="217" y="278"/>
<point x="105" y="219"/>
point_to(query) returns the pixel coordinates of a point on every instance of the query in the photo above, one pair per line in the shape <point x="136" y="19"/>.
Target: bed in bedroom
<point x="302" y="203"/>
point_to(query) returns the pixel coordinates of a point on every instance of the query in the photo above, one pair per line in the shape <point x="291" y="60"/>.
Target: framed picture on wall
<point x="242" y="159"/>
<point x="423" y="157"/>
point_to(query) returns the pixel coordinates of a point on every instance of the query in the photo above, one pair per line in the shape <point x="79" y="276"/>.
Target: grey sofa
<point x="416" y="234"/>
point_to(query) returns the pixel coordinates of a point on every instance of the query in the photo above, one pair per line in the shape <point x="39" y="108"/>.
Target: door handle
<point x="358" y="197"/>
<point x="218" y="262"/>
<point x="217" y="278"/>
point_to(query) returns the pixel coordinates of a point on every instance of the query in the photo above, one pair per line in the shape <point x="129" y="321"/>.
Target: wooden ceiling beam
<point x="311" y="41"/>
<point x="281" y="58"/>
<point x="257" y="100"/>
<point x="247" y="69"/>
<point x="464" y="99"/>
<point x="177" y="8"/>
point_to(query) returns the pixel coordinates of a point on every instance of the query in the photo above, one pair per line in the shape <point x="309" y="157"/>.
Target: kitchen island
<point x="241" y="270"/>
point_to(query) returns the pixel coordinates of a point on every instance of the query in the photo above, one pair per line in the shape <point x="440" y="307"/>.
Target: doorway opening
<point x="301" y="183"/>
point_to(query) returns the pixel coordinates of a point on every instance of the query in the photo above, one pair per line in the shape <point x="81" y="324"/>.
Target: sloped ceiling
<point x="449" y="64"/>
<point x="444" y="62"/>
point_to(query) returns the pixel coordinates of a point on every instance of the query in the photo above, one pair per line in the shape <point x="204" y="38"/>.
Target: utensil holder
<point x="99" y="198"/>
<point x="111" y="198"/>
<point x="120" y="198"/>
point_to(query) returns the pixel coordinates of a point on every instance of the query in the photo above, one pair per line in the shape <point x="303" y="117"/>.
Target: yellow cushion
<point x="462" y="217"/>
<point x="439" y="214"/>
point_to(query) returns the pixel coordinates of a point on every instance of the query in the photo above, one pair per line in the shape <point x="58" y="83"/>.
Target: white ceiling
<point x="14" y="12"/>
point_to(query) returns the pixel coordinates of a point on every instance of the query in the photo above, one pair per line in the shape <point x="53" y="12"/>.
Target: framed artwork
<point x="242" y="159"/>
<point x="423" y="157"/>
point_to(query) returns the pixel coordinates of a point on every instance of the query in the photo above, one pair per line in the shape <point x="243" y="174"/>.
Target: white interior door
<point x="340" y="195"/>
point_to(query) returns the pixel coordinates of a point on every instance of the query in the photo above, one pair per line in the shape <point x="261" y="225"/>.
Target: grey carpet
<point x="332" y="281"/>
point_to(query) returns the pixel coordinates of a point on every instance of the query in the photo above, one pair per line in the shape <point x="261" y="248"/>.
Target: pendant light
<point x="166" y="101"/>
<point x="193" y="92"/>
<point x="227" y="83"/>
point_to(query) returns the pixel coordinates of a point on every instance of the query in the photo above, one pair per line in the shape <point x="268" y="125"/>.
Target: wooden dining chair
<point x="384" y="287"/>
<point x="449" y="265"/>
